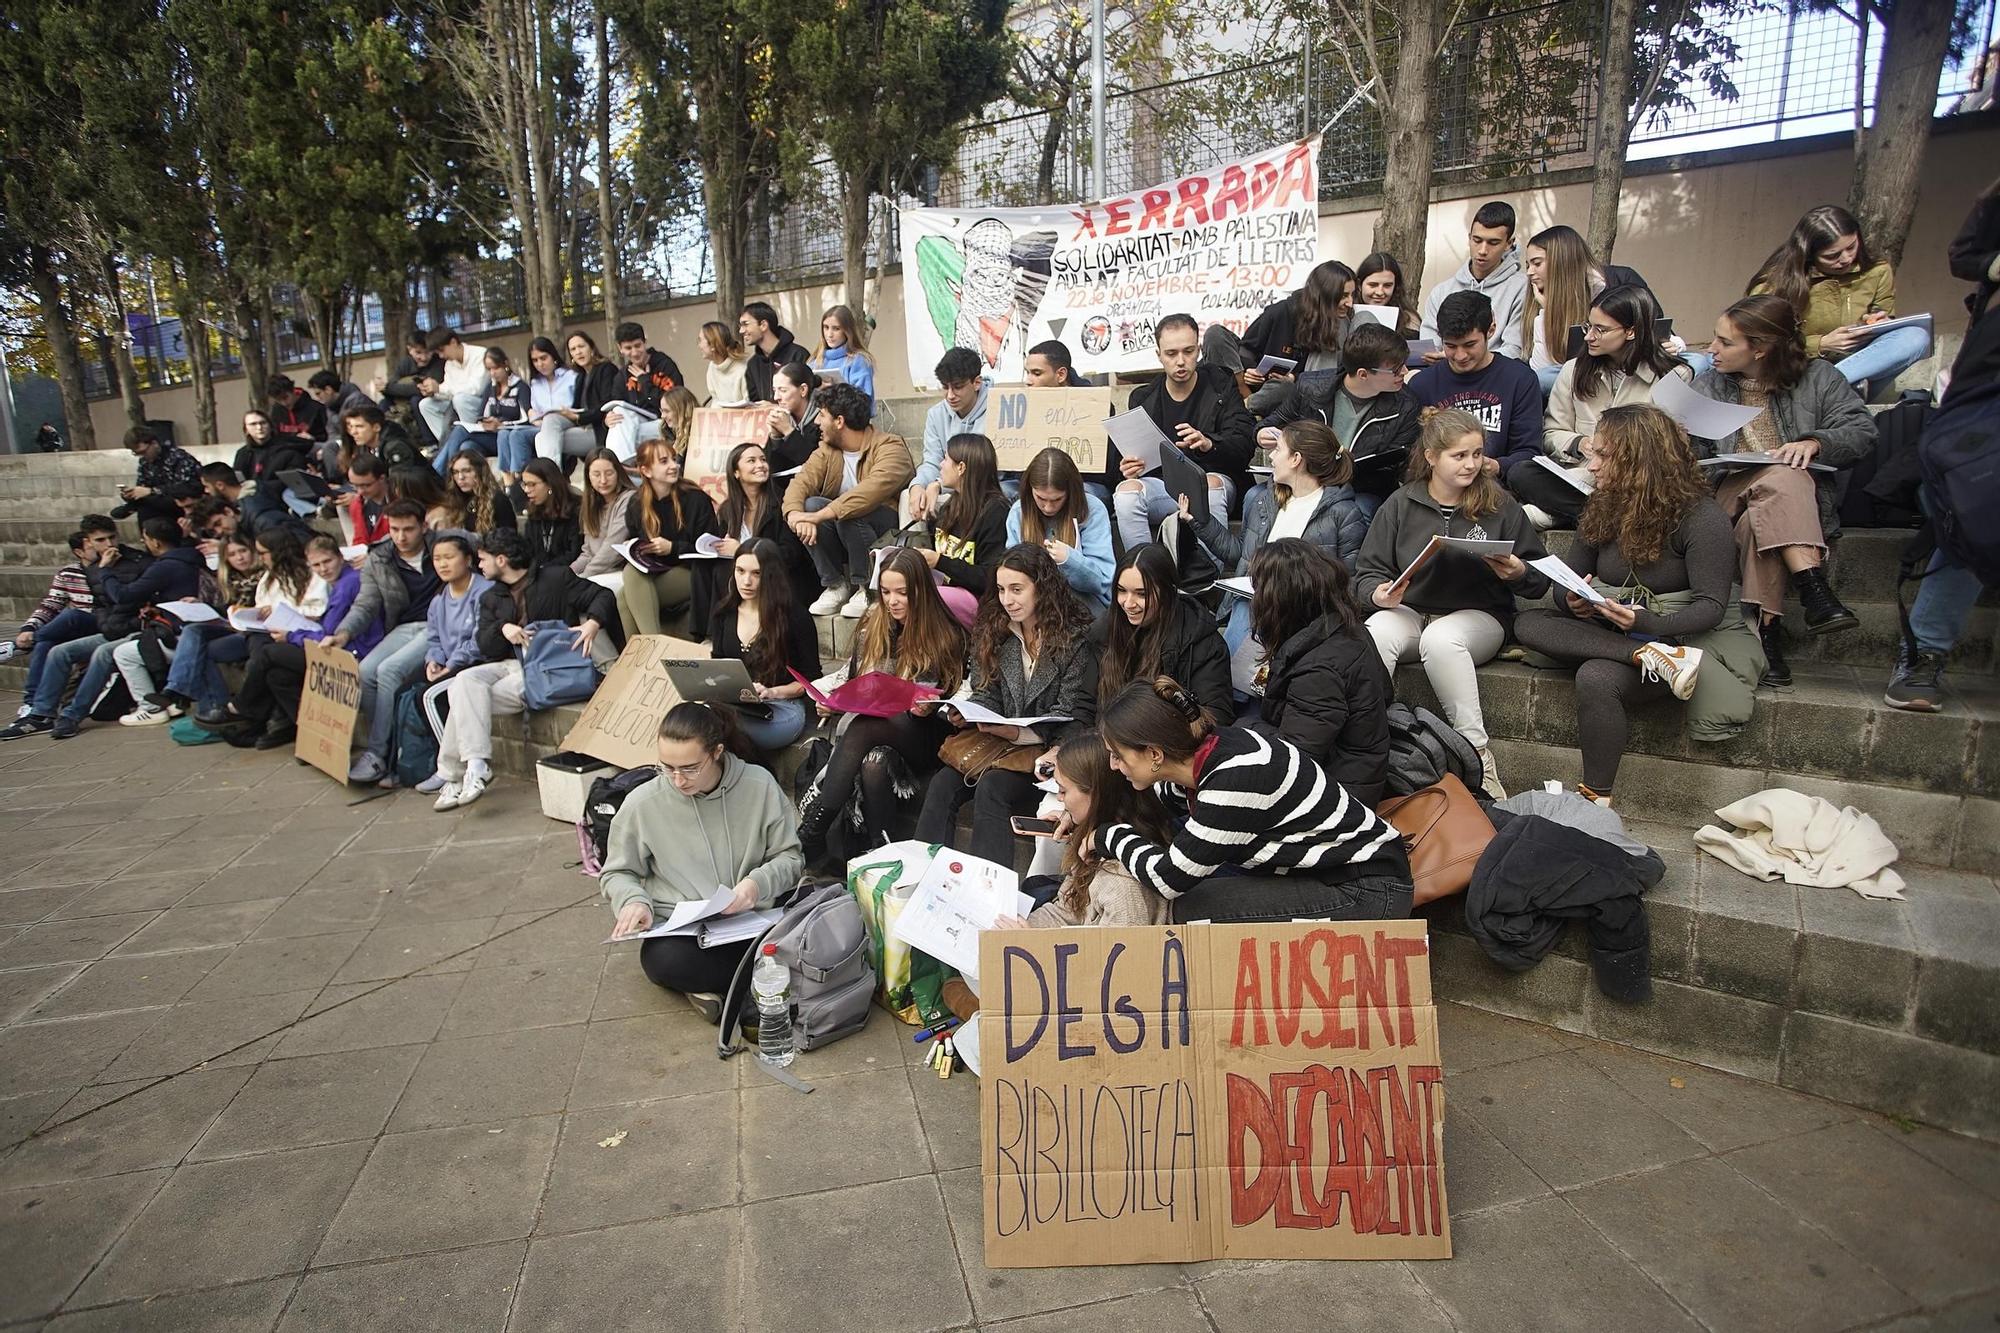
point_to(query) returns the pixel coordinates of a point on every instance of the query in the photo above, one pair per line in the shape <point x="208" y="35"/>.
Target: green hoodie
<point x="668" y="848"/>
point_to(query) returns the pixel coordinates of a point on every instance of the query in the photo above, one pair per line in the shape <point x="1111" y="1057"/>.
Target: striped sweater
<point x="68" y="591"/>
<point x="1262" y="805"/>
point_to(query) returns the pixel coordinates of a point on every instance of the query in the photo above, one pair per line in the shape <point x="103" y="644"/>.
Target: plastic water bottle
<point x="770" y="986"/>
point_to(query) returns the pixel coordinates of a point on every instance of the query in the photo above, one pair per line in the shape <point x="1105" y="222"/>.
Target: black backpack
<point x="1881" y="490"/>
<point x="1423" y="747"/>
<point x="600" y="807"/>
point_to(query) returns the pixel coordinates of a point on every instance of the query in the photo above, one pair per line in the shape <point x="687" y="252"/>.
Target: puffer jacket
<point x="1337" y="525"/>
<point x="1327" y="693"/>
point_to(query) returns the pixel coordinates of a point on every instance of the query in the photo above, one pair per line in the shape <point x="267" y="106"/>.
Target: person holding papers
<point x="971" y="529"/>
<point x="1325" y="689"/>
<point x="1451" y="609"/>
<point x="1197" y="407"/>
<point x="1563" y="279"/>
<point x="843" y="349"/>
<point x="1268" y="836"/>
<point x="602" y="515"/>
<point x="193" y="683"/>
<point x="795" y="427"/>
<point x="1154" y="629"/>
<point x="504" y="406"/>
<point x="665" y="516"/>
<point x="1057" y="514"/>
<point x="1378" y="281"/>
<point x="908" y="632"/>
<point x="761" y="622"/>
<point x="752" y="509"/>
<point x="551" y="387"/>
<point x="1307" y="328"/>
<point x="265" y="712"/>
<point x="573" y="431"/>
<point x="1784" y="513"/>
<point x="1837" y="289"/>
<point x="1622" y="360"/>
<point x="1652" y="541"/>
<point x="1028" y="646"/>
<point x="650" y="375"/>
<point x="712" y="820"/>
<point x="844" y="498"/>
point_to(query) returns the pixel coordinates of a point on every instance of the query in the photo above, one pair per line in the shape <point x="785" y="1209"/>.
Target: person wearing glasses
<point x="1372" y="414"/>
<point x="1623" y="358"/>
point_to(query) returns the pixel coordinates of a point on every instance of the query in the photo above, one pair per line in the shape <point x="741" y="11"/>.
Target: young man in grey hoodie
<point x="1495" y="269"/>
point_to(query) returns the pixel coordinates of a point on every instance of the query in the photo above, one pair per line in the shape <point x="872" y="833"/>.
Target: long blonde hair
<point x="1566" y="281"/>
<point x="931" y="644"/>
<point x="677" y="407"/>
<point x="1443" y="429"/>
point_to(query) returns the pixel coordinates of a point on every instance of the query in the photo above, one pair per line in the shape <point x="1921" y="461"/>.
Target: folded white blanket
<point x="1784" y="834"/>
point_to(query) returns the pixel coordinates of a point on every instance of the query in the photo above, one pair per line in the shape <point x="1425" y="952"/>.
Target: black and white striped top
<point x="1260" y="804"/>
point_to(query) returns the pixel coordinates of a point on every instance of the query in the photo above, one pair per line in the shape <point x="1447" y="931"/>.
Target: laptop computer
<point x="715" y="680"/>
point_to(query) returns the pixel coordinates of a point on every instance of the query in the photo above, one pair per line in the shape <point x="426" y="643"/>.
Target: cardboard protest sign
<point x="715" y="432"/>
<point x="621" y="722"/>
<point x="327" y="708"/>
<point x="1162" y="1095"/>
<point x="1023" y="422"/>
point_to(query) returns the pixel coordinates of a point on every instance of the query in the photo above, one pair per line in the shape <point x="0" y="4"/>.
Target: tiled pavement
<point x="269" y="1060"/>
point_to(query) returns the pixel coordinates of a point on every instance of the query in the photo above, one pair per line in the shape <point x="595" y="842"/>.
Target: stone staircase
<point x="1885" y="1005"/>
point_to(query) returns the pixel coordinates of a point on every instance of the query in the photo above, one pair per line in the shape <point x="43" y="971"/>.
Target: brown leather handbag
<point x="974" y="752"/>
<point x="1445" y="832"/>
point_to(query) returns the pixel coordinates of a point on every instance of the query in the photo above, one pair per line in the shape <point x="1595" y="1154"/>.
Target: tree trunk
<point x="121" y="345"/>
<point x="854" y="196"/>
<point x="396" y="322"/>
<point x="611" y="275"/>
<point x="327" y="311"/>
<point x="250" y="349"/>
<point x="62" y="341"/>
<point x="1614" y="122"/>
<point x="1891" y="154"/>
<point x="882" y="243"/>
<point x="1409" y="124"/>
<point x="267" y="329"/>
<point x="727" y="237"/>
<point x="194" y="332"/>
<point x="1052" y="138"/>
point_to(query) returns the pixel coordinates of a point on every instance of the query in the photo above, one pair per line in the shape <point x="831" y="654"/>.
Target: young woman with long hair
<point x="1027" y="648"/>
<point x="794" y="417"/>
<point x="506" y="405"/>
<point x="1455" y="611"/>
<point x="1661" y="549"/>
<point x="573" y="431"/>
<point x="727" y="364"/>
<point x="1324" y="687"/>
<point x="753" y="510"/>
<point x="908" y="632"/>
<point x="473" y="503"/>
<point x="1623" y="358"/>
<point x="301" y="583"/>
<point x="1784" y="514"/>
<point x="1153" y="629"/>
<point x="1836" y="289"/>
<point x="970" y="532"/>
<point x="1307" y="327"/>
<point x="761" y="622"/>
<point x="602" y="515"/>
<point x="843" y="346"/>
<point x="712" y="817"/>
<point x="677" y="407"/>
<point x="665" y="516"/>
<point x="1298" y="844"/>
<point x="1378" y="280"/>
<point x="1058" y="515"/>
<point x="422" y="486"/>
<point x="551" y="388"/>
<point x="549" y="521"/>
<point x="1563" y="279"/>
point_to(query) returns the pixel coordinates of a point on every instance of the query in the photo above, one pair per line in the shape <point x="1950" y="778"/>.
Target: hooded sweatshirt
<point x="940" y="424"/>
<point x="667" y="848"/>
<point x="1506" y="286"/>
<point x="1450" y="580"/>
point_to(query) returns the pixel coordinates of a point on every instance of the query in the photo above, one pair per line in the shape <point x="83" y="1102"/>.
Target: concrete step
<point x="1886" y="1005"/>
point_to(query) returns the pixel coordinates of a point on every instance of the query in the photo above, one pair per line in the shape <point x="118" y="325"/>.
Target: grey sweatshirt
<point x="668" y="848"/>
<point x="1506" y="286"/>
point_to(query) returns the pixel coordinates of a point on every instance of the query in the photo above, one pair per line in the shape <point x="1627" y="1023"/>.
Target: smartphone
<point x="1034" y="828"/>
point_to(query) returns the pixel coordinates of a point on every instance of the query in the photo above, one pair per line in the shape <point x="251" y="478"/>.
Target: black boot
<point x="1775" y="670"/>
<point x="1824" y="613"/>
<point x="816" y="816"/>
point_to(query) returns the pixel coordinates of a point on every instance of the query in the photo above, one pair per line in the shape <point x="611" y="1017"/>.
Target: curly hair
<point x="473" y="509"/>
<point x="1059" y="618"/>
<point x="1647" y="482"/>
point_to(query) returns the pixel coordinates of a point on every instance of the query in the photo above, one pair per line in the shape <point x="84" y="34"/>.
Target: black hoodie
<point x="1216" y="410"/>
<point x="759" y="375"/>
<point x="1327" y="693"/>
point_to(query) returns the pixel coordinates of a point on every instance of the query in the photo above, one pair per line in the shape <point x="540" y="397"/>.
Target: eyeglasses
<point x="683" y="770"/>
<point x="1602" y="330"/>
<point x="1389" y="372"/>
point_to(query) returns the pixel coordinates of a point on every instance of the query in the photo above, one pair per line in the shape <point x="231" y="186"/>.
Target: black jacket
<point x="403" y="379"/>
<point x="553" y="540"/>
<point x="1383" y="437"/>
<point x="1973" y="251"/>
<point x="646" y="388"/>
<point x="115" y="621"/>
<point x="550" y="593"/>
<point x="1218" y="413"/>
<point x="395" y="449"/>
<point x="302" y="419"/>
<point x="801" y="646"/>
<point x="793" y="448"/>
<point x="697" y="517"/>
<point x="1192" y="652"/>
<point x="1326" y="692"/>
<point x="966" y="559"/>
<point x="1536" y="875"/>
<point x="759" y="375"/>
<point x="603" y="383"/>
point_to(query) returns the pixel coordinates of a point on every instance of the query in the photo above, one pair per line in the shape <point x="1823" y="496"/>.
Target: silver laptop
<point x="715" y="680"/>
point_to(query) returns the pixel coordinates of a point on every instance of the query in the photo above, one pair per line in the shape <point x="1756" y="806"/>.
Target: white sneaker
<point x="472" y="786"/>
<point x="1672" y="664"/>
<point x="1540" y="517"/>
<point x="857" y="605"/>
<point x="830" y="601"/>
<point x="431" y="785"/>
<point x="145" y="715"/>
<point x="450" y="798"/>
<point x="1492" y="779"/>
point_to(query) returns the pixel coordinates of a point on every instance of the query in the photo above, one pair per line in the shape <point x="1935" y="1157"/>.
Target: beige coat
<point x="1116" y="899"/>
<point x="1568" y="419"/>
<point x="884" y="471"/>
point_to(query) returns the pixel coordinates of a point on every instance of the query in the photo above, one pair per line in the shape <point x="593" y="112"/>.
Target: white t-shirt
<point x="850" y="470"/>
<point x="1293" y="515"/>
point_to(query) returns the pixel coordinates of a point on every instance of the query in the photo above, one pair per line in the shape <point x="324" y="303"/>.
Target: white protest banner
<point x="1219" y="245"/>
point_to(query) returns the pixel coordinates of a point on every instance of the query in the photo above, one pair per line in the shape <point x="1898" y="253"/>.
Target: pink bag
<point x="872" y="694"/>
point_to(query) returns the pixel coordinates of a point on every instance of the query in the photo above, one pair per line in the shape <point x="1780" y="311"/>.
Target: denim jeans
<point x="64" y="626"/>
<point x="193" y="674"/>
<point x="393" y="664"/>
<point x="96" y="676"/>
<point x="456" y="439"/>
<point x="840" y="553"/>
<point x="1138" y="513"/>
<point x="785" y="725"/>
<point x="63" y="659"/>
<point x="1880" y="361"/>
<point x="440" y="414"/>
<point x="1944" y="599"/>
<point x="517" y="446"/>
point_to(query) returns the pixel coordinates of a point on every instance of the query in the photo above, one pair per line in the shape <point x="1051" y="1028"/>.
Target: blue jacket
<point x="173" y="576"/>
<point x="859" y="369"/>
<point x="451" y="636"/>
<point x="940" y="424"/>
<point x="340" y="599"/>
<point x="1091" y="564"/>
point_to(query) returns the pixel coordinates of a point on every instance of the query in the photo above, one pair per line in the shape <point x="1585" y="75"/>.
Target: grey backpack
<point x="823" y="941"/>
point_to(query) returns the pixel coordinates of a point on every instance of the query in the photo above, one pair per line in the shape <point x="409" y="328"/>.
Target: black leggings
<point x="273" y="681"/>
<point x="1379" y="891"/>
<point x="999" y="795"/>
<point x="680" y="963"/>
<point x="915" y="738"/>
<point x="1534" y="484"/>
<point x="1607" y="684"/>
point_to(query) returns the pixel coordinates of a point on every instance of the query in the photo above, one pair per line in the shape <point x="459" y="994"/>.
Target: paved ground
<point x="303" y="1065"/>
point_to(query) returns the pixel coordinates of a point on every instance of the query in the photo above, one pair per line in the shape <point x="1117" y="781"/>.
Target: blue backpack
<point x="414" y="754"/>
<point x="552" y="671"/>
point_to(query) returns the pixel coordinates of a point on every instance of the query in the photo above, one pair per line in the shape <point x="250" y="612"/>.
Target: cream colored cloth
<point x="1783" y="834"/>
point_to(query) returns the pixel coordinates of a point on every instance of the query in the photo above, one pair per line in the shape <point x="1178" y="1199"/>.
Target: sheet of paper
<point x="973" y="712"/>
<point x="1753" y="460"/>
<point x="632" y="410"/>
<point x="1563" y="576"/>
<point x="742" y="926"/>
<point x="289" y="620"/>
<point x="1424" y="346"/>
<point x="1388" y="316"/>
<point x="1870" y="332"/>
<point x="613" y="581"/>
<point x="958" y="897"/>
<point x="191" y="613"/>
<point x="1136" y="435"/>
<point x="1240" y="586"/>
<point x="1284" y="365"/>
<point x="247" y="620"/>
<point x="1698" y="414"/>
<point x="354" y="552"/>
<point x="1575" y="476"/>
<point x="684" y="918"/>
